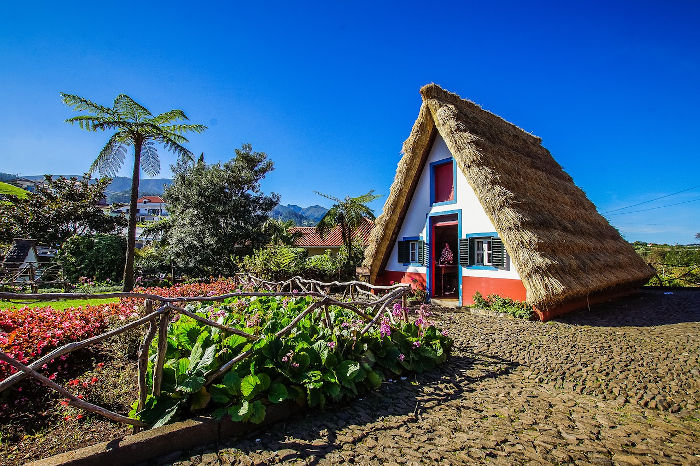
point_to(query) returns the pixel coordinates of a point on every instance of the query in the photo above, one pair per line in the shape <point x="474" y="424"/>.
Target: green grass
<point x="13" y="190"/>
<point x="58" y="305"/>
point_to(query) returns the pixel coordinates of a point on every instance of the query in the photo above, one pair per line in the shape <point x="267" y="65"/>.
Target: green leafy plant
<point x="312" y="365"/>
<point x="503" y="305"/>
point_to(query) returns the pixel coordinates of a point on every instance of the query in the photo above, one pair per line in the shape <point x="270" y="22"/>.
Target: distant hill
<point x="119" y="190"/>
<point x="13" y="190"/>
<point x="302" y="216"/>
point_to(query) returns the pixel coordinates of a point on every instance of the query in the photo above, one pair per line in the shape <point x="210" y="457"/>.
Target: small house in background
<point x="21" y="261"/>
<point x="148" y="209"/>
<point x="478" y="204"/>
<point x="310" y="240"/>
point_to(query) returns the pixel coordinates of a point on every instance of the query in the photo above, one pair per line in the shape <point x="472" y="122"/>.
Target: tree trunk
<point x="131" y="233"/>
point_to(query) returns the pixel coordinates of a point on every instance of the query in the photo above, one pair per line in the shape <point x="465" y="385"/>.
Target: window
<point x="443" y="182"/>
<point x="482" y="252"/>
<point x="413" y="251"/>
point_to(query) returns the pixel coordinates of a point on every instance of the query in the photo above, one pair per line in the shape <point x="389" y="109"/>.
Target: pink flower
<point x="331" y="344"/>
<point x="295" y="364"/>
<point x="401" y="357"/>
<point x="444" y="333"/>
<point x="385" y="328"/>
<point x="416" y="344"/>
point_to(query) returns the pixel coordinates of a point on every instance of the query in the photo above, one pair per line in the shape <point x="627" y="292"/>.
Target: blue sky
<point x="330" y="90"/>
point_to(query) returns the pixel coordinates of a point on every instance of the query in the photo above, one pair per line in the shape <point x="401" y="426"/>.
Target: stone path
<point x="615" y="385"/>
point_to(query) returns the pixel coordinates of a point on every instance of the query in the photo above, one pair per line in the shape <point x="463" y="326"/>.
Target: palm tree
<point x="279" y="231"/>
<point x="348" y="213"/>
<point x="135" y="126"/>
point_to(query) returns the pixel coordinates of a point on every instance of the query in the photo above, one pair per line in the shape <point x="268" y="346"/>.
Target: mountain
<point x="302" y="216"/>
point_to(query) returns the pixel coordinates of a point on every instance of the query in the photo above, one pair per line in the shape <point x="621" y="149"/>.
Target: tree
<point x="217" y="212"/>
<point x="697" y="235"/>
<point x="99" y="257"/>
<point x="61" y="208"/>
<point x="279" y="231"/>
<point x="135" y="126"/>
<point x="348" y="213"/>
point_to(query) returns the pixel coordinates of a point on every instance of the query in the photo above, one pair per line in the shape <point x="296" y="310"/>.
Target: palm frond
<point x="170" y="141"/>
<point x="150" y="162"/>
<point x="81" y="104"/>
<point x="126" y="106"/>
<point x="328" y="221"/>
<point x="169" y="117"/>
<point x="328" y="196"/>
<point x="86" y="122"/>
<point x="111" y="157"/>
<point x="183" y="128"/>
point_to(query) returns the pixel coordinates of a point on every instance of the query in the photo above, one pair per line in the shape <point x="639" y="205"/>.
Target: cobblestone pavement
<point x="618" y="384"/>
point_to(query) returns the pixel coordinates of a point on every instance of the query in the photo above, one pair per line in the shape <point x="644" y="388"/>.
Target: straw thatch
<point x="560" y="245"/>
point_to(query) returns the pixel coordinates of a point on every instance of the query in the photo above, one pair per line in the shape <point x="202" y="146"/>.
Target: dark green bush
<point x="99" y="257"/>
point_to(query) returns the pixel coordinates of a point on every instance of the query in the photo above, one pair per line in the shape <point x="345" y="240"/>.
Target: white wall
<point x="474" y="218"/>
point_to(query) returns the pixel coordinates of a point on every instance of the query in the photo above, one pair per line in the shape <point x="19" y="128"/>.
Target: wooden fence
<point x="356" y="296"/>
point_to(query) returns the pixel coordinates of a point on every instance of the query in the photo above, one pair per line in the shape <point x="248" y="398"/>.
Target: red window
<point x="444" y="182"/>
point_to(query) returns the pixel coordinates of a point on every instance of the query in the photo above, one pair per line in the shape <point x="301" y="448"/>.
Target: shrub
<point x="322" y="267"/>
<point x="100" y="257"/>
<point x="275" y="262"/>
<point x="503" y="305"/>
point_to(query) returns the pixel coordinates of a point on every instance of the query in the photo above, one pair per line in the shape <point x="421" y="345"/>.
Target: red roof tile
<point x="310" y="238"/>
<point x="151" y="199"/>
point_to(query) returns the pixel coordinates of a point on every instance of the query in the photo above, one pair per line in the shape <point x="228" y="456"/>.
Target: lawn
<point x="13" y="190"/>
<point x="58" y="305"/>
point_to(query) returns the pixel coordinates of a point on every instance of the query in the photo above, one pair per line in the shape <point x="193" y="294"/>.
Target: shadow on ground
<point x="647" y="308"/>
<point x="299" y="436"/>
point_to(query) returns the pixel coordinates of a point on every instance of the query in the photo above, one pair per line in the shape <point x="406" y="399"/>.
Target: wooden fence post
<point x="143" y="358"/>
<point x="162" y="348"/>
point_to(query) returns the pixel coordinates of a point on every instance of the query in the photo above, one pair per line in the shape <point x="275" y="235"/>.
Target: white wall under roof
<point x="474" y="218"/>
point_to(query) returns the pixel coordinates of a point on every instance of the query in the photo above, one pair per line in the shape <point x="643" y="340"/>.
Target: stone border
<point x="161" y="441"/>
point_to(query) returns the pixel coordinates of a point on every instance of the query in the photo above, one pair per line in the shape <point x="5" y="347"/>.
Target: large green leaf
<point x="235" y="342"/>
<point x="257" y="412"/>
<point x="250" y="386"/>
<point x="347" y="371"/>
<point x="278" y="392"/>
<point x="191" y="384"/>
<point x="220" y="394"/>
<point x="232" y="381"/>
<point x="200" y="399"/>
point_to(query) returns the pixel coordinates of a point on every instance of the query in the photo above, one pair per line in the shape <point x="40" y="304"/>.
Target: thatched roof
<point x="561" y="246"/>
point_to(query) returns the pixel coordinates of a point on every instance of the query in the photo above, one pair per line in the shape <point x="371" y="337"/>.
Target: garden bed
<point x="290" y="349"/>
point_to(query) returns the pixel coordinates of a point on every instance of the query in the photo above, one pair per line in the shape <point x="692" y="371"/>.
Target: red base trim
<point x="507" y="287"/>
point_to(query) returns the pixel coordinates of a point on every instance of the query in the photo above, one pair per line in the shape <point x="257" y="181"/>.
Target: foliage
<point x="151" y="262"/>
<point x="675" y="265"/>
<point x="279" y="232"/>
<point x="313" y="365"/>
<point x="348" y="262"/>
<point x="136" y="126"/>
<point x="217" y="212"/>
<point x="418" y="292"/>
<point x="100" y="257"/>
<point x="284" y="262"/>
<point x="275" y="262"/>
<point x="348" y="213"/>
<point x="61" y="208"/>
<point x="27" y="333"/>
<point x="503" y="305"/>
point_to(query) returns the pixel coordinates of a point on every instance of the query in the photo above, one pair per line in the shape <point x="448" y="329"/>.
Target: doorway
<point x="444" y="257"/>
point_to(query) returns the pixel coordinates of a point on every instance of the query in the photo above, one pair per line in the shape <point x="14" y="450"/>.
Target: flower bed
<point x="314" y="364"/>
<point x="27" y="333"/>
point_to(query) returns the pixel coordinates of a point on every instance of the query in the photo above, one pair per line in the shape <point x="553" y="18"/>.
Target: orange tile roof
<point x="333" y="239"/>
<point x="152" y="199"/>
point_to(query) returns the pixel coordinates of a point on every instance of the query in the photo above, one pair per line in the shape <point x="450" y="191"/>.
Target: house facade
<point x="446" y="242"/>
<point x="478" y="204"/>
<point x="148" y="209"/>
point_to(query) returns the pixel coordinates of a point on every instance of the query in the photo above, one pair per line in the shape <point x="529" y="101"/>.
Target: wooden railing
<point x="356" y="296"/>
